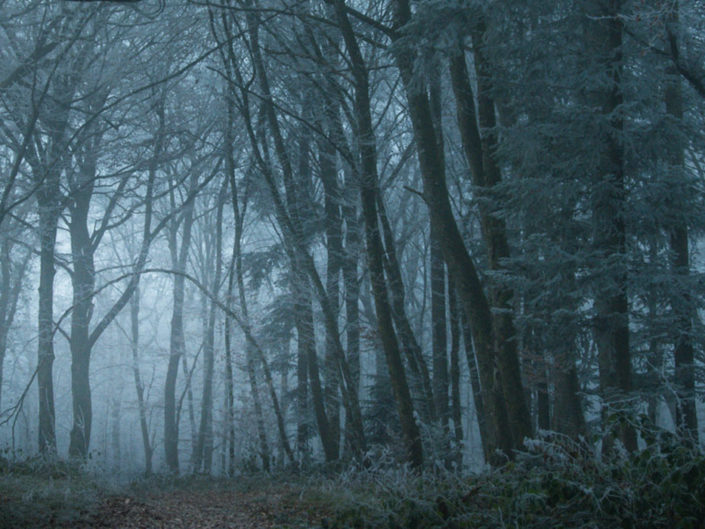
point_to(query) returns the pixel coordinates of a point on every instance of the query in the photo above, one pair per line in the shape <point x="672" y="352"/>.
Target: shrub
<point x="556" y="482"/>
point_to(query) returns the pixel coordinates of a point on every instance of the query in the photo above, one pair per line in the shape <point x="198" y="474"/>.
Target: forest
<point x="352" y="263"/>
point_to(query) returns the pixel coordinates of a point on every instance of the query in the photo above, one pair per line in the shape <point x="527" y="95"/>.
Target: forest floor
<point x="196" y="503"/>
<point x="219" y="508"/>
<point x="553" y="484"/>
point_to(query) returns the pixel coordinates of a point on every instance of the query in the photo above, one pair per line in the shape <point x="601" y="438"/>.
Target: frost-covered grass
<point x="555" y="483"/>
<point x="40" y="492"/>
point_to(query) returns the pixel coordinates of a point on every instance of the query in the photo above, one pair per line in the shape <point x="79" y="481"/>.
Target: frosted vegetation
<point x="341" y="263"/>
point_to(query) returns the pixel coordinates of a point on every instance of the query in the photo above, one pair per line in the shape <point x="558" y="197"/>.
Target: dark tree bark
<point x="455" y="337"/>
<point x="304" y="262"/>
<point x="83" y="280"/>
<point x="497" y="393"/>
<point x="438" y="331"/>
<point x="203" y="450"/>
<point x="478" y="395"/>
<point x="682" y="303"/>
<point x="229" y="376"/>
<point x="352" y="295"/>
<point x="479" y="151"/>
<point x="568" y="416"/>
<point x="139" y="385"/>
<point x="177" y="342"/>
<point x="12" y="276"/>
<point x="48" y="220"/>
<point x="373" y="240"/>
<point x="421" y="380"/>
<point x="604" y="31"/>
<point x="334" y="247"/>
<point x="50" y="205"/>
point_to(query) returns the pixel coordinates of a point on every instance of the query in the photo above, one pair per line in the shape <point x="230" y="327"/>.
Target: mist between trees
<point x="269" y="234"/>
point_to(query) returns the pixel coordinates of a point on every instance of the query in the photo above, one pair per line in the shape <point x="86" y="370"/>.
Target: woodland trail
<point x="208" y="509"/>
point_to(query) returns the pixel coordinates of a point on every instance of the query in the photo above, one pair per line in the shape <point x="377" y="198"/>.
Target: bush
<point x="554" y="483"/>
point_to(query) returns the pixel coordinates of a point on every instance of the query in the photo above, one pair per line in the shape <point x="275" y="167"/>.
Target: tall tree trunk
<point x="373" y="240"/>
<point x="461" y="267"/>
<point x="229" y="371"/>
<point x="682" y="303"/>
<point x="139" y="385"/>
<point x="439" y="337"/>
<point x="177" y="342"/>
<point x="604" y="29"/>
<point x="10" y="287"/>
<point x="421" y="379"/>
<point x="50" y="205"/>
<point x="438" y="331"/>
<point x="334" y="250"/>
<point x="83" y="280"/>
<point x="295" y="244"/>
<point x="229" y="376"/>
<point x="455" y="335"/>
<point x="204" y="444"/>
<point x="479" y="150"/>
<point x="48" y="220"/>
<point x="478" y="395"/>
<point x="352" y="295"/>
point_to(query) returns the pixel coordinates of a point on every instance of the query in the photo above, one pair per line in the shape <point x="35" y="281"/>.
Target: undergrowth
<point x="555" y="483"/>
<point x="46" y="492"/>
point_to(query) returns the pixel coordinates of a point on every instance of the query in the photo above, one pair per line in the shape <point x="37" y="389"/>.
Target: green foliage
<point x="555" y="483"/>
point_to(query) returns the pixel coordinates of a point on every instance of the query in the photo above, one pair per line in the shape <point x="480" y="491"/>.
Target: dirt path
<point x="212" y="509"/>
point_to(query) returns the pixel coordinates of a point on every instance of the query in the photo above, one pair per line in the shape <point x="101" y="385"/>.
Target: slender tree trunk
<point x="421" y="379"/>
<point x="302" y="405"/>
<point x="604" y="29"/>
<point x="229" y="371"/>
<point x="229" y="377"/>
<point x="177" y="343"/>
<point x="83" y="280"/>
<point x="139" y="385"/>
<point x="352" y="297"/>
<point x="115" y="406"/>
<point x="204" y="444"/>
<point x="49" y="201"/>
<point x="439" y="336"/>
<point x="479" y="151"/>
<point x="10" y="287"/>
<point x="48" y="220"/>
<point x="334" y="249"/>
<point x="438" y="331"/>
<point x="455" y="336"/>
<point x="478" y="395"/>
<point x="373" y="240"/>
<point x="461" y="266"/>
<point x="682" y="303"/>
<point x="5" y="315"/>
